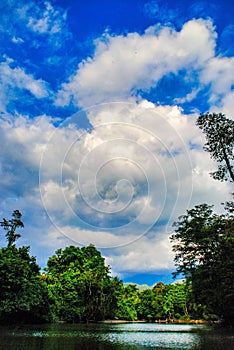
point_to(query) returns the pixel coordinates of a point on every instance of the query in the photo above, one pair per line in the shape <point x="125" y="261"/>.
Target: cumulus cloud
<point x="124" y="64"/>
<point x="23" y="142"/>
<point x="113" y="168"/>
<point x="144" y="255"/>
<point x="139" y="166"/>
<point x="219" y="73"/>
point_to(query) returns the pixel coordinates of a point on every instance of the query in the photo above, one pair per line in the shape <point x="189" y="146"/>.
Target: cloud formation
<point x="124" y="64"/>
<point x="119" y="186"/>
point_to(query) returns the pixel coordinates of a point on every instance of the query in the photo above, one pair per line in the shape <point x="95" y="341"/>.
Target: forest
<point x="77" y="286"/>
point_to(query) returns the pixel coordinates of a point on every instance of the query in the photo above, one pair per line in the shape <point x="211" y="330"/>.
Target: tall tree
<point x="11" y="225"/>
<point x="219" y="132"/>
<point x="23" y="294"/>
<point x="201" y="241"/>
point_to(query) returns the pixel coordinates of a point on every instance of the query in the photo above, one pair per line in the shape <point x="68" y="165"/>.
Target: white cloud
<point x="220" y="74"/>
<point x="23" y="142"/>
<point x="13" y="78"/>
<point x="37" y="24"/>
<point x="123" y="64"/>
<point x="17" y="40"/>
<point x="188" y="98"/>
<point x="138" y="166"/>
<point x="227" y="106"/>
<point x="147" y="254"/>
<point x="143" y="256"/>
<point x="44" y="19"/>
<point x="108" y="174"/>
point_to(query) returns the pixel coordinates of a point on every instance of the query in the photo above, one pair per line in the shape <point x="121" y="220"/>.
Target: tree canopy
<point x="22" y="294"/>
<point x="79" y="285"/>
<point x="204" y="253"/>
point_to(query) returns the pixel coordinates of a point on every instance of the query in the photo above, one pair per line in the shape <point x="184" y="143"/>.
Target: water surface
<point x="116" y="337"/>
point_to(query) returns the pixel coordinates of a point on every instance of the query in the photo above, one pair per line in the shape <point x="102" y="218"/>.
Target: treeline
<point x="77" y="287"/>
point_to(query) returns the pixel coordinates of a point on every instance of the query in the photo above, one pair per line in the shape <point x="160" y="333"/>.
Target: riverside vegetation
<point x="77" y="286"/>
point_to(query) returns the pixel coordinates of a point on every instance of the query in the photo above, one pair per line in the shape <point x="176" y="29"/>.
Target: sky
<point x="98" y="109"/>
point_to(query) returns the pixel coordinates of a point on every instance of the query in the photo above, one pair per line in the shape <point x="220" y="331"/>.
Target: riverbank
<point x="157" y="321"/>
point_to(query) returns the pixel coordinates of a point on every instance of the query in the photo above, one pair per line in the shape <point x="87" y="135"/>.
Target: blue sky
<point x="98" y="105"/>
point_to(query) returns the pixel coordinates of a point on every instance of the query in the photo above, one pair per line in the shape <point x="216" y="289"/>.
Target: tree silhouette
<point x="219" y="132"/>
<point x="11" y="225"/>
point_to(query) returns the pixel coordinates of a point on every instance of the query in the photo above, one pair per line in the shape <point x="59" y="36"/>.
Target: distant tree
<point x="145" y="309"/>
<point x="159" y="291"/>
<point x="11" y="225"/>
<point x="176" y="301"/>
<point x="170" y="301"/>
<point x="219" y="132"/>
<point x="127" y="302"/>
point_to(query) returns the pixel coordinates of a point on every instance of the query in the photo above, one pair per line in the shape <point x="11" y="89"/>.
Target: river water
<point x="128" y="336"/>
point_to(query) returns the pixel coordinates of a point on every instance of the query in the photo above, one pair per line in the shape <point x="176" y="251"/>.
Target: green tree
<point x="11" y="225"/>
<point x="196" y="238"/>
<point x="23" y="295"/>
<point x="201" y="241"/>
<point x="219" y="132"/>
<point x="158" y="302"/>
<point x="127" y="301"/>
<point x="176" y="301"/>
<point x="145" y="309"/>
<point x="79" y="285"/>
<point x="170" y="301"/>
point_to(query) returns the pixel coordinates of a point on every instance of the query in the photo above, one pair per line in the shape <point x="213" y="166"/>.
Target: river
<point x="128" y="336"/>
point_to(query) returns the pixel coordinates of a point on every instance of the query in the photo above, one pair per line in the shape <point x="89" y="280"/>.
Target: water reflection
<point x="116" y="337"/>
